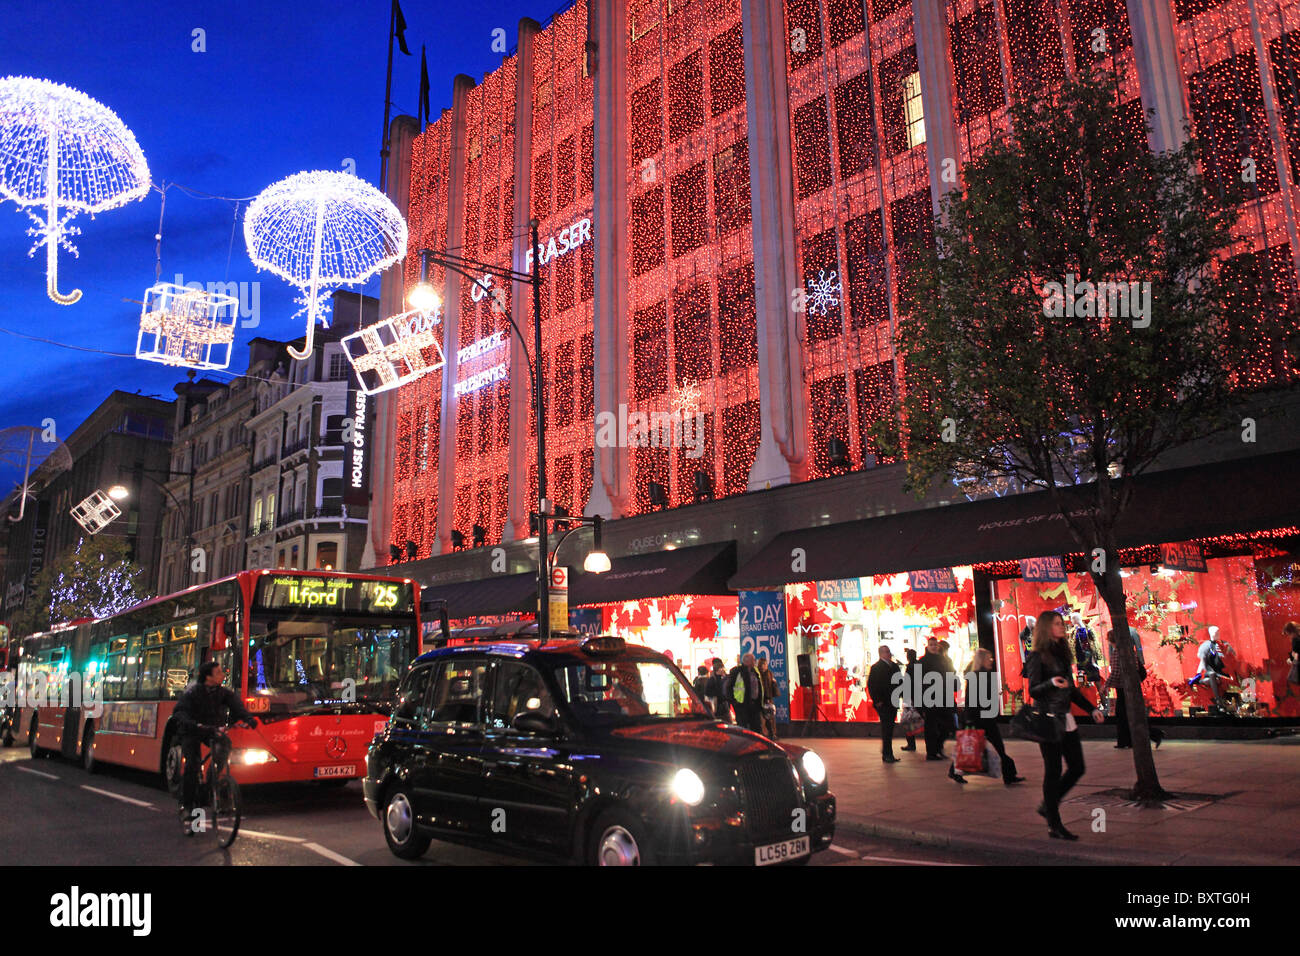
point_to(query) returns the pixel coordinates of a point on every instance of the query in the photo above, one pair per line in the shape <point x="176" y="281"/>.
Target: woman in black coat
<point x="980" y="700"/>
<point x="1049" y="674"/>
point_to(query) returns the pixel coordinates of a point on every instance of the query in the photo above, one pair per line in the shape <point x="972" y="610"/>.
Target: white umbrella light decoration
<point x="62" y="150"/>
<point x="322" y="229"/>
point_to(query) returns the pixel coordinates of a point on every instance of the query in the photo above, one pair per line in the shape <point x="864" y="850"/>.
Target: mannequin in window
<point x="1212" y="666"/>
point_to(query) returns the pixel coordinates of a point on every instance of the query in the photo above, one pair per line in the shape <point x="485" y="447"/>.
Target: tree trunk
<point x="1111" y="587"/>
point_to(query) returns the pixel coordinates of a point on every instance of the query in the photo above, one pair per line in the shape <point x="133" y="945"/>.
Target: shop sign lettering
<point x="561" y="244"/>
<point x="1182" y="556"/>
<point x="762" y="633"/>
<point x="1043" y="570"/>
<point x="849" y="589"/>
<point x="933" y="581"/>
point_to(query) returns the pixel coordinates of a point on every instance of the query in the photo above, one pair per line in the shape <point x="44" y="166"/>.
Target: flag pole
<point x="388" y="96"/>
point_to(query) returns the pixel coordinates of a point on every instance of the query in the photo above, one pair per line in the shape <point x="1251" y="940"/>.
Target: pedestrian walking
<point x="909" y="674"/>
<point x="701" y="685"/>
<point x="770" y="690"/>
<point x="933" y="662"/>
<point x="745" y="694"/>
<point x="1123" y="735"/>
<point x="881" y="687"/>
<point x="1050" y="677"/>
<point x="979" y="700"/>
<point x="715" y="692"/>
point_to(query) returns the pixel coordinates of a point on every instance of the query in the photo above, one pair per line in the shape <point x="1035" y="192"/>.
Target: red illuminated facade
<point x="661" y="144"/>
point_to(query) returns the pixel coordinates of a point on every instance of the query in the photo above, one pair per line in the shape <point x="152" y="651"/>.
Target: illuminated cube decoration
<point x="863" y="201"/>
<point x="96" y="512"/>
<point x="395" y="351"/>
<point x="185" y="326"/>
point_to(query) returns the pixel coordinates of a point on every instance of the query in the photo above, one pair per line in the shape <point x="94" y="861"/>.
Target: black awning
<point x="501" y="594"/>
<point x="703" y="569"/>
<point x="1232" y="497"/>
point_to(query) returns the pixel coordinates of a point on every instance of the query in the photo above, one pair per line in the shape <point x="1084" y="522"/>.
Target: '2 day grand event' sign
<point x="1043" y="570"/>
<point x="935" y="581"/>
<point x="1182" y="556"/>
<point x="762" y="632"/>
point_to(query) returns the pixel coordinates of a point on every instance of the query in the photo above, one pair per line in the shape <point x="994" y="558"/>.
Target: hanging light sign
<point x="395" y="351"/>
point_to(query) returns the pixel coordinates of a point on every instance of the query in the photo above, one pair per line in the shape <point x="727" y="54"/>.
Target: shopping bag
<point x="969" y="757"/>
<point x="992" y="762"/>
<point x="911" y="722"/>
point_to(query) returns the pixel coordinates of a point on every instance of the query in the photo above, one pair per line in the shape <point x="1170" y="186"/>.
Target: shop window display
<point x="691" y="629"/>
<point x="843" y="637"/>
<point x="1242" y="602"/>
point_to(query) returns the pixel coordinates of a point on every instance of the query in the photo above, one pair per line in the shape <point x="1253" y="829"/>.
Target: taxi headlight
<point x="688" y="787"/>
<point x="813" y="767"/>
<point x="255" y="756"/>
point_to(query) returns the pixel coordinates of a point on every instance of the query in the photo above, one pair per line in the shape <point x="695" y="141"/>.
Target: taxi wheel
<point x="618" y="839"/>
<point x="399" y="826"/>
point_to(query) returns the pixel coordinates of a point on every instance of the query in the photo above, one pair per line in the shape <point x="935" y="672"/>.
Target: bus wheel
<point x="88" y="750"/>
<point x="173" y="767"/>
<point x="32" y="745"/>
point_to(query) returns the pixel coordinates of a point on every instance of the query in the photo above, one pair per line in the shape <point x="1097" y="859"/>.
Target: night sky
<point x="282" y="87"/>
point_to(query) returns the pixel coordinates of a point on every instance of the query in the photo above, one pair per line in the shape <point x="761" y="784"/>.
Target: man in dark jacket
<point x="205" y="703"/>
<point x="715" y="691"/>
<point x="701" y="685"/>
<point x="880" y="687"/>
<point x="938" y="720"/>
<point x="745" y="694"/>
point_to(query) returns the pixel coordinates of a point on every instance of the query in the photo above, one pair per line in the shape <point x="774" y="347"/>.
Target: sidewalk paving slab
<point x="1255" y="818"/>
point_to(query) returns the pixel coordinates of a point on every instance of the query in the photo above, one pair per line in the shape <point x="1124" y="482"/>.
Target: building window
<point x="257" y="514"/>
<point x="327" y="556"/>
<point x="279" y="561"/>
<point x="293" y="557"/>
<point x="913" y="110"/>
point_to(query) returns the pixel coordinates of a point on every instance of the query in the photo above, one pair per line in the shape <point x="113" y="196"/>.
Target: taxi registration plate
<point x="780" y="852"/>
<point x="337" y="770"/>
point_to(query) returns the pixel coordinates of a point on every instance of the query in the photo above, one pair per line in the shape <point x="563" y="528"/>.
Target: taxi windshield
<point x="626" y="691"/>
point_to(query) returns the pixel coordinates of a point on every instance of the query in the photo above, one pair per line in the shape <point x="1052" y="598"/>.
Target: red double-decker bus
<point x="317" y="656"/>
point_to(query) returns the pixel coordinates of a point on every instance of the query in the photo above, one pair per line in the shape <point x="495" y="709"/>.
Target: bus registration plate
<point x="337" y="770"/>
<point x="780" y="852"/>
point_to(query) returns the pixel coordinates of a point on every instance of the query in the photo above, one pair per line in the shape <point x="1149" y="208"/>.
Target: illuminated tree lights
<point x="60" y="149"/>
<point x="319" y="230"/>
<point x="187" y="327"/>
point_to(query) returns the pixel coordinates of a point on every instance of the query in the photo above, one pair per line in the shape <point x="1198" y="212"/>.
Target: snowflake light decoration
<point x="187" y="326"/>
<point x="395" y="351"/>
<point x="62" y="150"/>
<point x="319" y="230"/>
<point x="824" y="292"/>
<point x="95" y="512"/>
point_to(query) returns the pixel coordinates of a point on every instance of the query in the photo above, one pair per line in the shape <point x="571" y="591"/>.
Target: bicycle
<point x="218" y="790"/>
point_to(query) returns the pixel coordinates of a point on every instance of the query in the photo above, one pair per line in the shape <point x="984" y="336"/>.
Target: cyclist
<point x="204" y="705"/>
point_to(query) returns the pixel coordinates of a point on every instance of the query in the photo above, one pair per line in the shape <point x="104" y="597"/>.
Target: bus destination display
<point x="277" y="592"/>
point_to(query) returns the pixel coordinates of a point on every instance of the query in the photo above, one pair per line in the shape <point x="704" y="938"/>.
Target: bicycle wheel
<point x="226" y="808"/>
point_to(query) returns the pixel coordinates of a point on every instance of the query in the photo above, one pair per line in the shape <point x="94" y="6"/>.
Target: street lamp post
<point x="423" y="296"/>
<point x="118" y="492"/>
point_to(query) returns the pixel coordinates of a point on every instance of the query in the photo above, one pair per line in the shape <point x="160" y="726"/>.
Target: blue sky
<point x="282" y="87"/>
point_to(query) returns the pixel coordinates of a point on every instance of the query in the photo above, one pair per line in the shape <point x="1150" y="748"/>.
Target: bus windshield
<point x="298" y="666"/>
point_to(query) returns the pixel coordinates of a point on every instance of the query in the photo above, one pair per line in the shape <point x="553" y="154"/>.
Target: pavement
<point x="1236" y="803"/>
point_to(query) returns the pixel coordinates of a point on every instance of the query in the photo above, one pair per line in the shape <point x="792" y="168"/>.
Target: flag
<point x="399" y="27"/>
<point x="424" y="88"/>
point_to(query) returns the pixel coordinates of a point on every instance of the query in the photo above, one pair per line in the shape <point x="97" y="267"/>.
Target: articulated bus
<point x="316" y="656"/>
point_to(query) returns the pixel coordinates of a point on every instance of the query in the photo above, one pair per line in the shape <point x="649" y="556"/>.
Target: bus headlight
<point x="813" y="767"/>
<point x="255" y="756"/>
<point x="688" y="787"/>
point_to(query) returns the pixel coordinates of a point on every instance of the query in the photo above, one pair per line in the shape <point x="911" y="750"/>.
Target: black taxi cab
<point x="588" y="750"/>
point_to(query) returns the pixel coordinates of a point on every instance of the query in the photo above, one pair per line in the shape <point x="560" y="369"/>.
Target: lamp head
<point x="118" y="492"/>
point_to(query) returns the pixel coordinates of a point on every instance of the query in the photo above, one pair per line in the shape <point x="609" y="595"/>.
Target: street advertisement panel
<point x="762" y="632"/>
